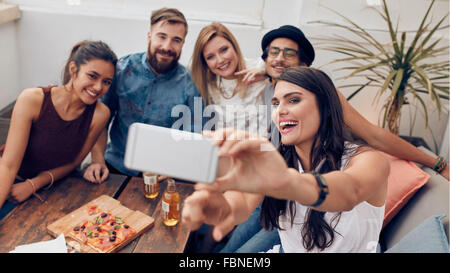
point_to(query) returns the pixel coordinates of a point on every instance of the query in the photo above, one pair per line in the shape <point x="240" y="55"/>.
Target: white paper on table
<point x="57" y="245"/>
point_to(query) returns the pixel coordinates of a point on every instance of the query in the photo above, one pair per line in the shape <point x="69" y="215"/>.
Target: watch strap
<point x="323" y="189"/>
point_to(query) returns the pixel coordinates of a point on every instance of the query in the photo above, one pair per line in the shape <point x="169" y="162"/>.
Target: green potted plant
<point x="399" y="67"/>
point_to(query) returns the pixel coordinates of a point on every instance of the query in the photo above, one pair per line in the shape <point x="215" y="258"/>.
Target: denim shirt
<point x="138" y="95"/>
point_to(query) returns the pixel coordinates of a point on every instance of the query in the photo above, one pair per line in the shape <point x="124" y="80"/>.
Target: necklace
<point x="222" y="92"/>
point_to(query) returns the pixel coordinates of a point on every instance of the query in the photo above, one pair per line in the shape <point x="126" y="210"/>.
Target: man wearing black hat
<point x="295" y="50"/>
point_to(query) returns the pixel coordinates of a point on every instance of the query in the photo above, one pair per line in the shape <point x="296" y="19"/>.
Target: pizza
<point x="104" y="232"/>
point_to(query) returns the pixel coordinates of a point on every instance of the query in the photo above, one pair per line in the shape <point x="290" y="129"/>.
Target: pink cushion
<point x="404" y="181"/>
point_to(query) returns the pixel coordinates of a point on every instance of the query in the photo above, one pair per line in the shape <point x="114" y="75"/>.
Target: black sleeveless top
<point x="54" y="142"/>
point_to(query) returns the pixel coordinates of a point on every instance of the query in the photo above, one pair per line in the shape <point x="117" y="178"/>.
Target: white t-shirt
<point x="358" y="230"/>
<point x="247" y="113"/>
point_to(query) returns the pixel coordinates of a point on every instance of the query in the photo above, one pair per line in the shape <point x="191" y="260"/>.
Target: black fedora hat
<point x="293" y="33"/>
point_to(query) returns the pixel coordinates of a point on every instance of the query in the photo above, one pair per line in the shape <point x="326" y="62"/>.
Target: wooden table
<point x="28" y="222"/>
<point x="160" y="238"/>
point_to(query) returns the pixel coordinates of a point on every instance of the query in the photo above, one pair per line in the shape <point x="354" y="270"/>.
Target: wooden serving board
<point x="139" y="221"/>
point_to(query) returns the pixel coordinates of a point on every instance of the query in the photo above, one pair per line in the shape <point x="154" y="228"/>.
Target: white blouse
<point x="247" y="113"/>
<point x="358" y="230"/>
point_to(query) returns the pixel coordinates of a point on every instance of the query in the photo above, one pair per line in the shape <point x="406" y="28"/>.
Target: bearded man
<point x="146" y="88"/>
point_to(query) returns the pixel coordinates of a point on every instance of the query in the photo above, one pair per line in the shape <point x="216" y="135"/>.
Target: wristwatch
<point x="323" y="189"/>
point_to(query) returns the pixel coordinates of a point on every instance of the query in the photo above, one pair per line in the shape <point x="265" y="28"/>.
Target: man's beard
<point x="162" y="68"/>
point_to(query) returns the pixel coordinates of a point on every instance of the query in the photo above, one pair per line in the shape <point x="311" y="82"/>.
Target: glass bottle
<point x="170" y="203"/>
<point x="151" y="188"/>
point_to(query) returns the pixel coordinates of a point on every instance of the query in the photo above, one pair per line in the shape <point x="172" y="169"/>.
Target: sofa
<point x="421" y="225"/>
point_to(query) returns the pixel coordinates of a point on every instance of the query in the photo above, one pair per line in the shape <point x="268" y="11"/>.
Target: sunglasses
<point x="287" y="52"/>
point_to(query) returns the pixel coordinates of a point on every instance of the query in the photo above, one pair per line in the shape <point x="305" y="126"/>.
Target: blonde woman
<point x="220" y="73"/>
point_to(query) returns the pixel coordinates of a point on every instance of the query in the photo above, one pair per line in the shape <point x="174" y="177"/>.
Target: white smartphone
<point x="171" y="152"/>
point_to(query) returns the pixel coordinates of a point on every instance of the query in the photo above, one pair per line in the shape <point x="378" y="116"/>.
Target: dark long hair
<point x="84" y="51"/>
<point x="328" y="145"/>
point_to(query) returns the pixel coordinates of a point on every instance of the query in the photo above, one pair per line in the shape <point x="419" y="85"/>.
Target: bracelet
<point x="323" y="189"/>
<point x="440" y="165"/>
<point x="32" y="184"/>
<point x="34" y="190"/>
<point x="51" y="181"/>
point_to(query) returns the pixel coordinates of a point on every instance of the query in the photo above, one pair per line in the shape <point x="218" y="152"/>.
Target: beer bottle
<point x="170" y="203"/>
<point x="151" y="188"/>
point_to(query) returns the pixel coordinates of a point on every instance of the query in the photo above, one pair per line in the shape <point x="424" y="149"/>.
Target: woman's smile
<point x="91" y="93"/>
<point x="287" y="125"/>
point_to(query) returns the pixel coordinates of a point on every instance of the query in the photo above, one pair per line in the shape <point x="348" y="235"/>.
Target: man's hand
<point x="96" y="173"/>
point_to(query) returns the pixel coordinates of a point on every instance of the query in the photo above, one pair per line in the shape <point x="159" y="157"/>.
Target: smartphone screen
<point x="178" y="154"/>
